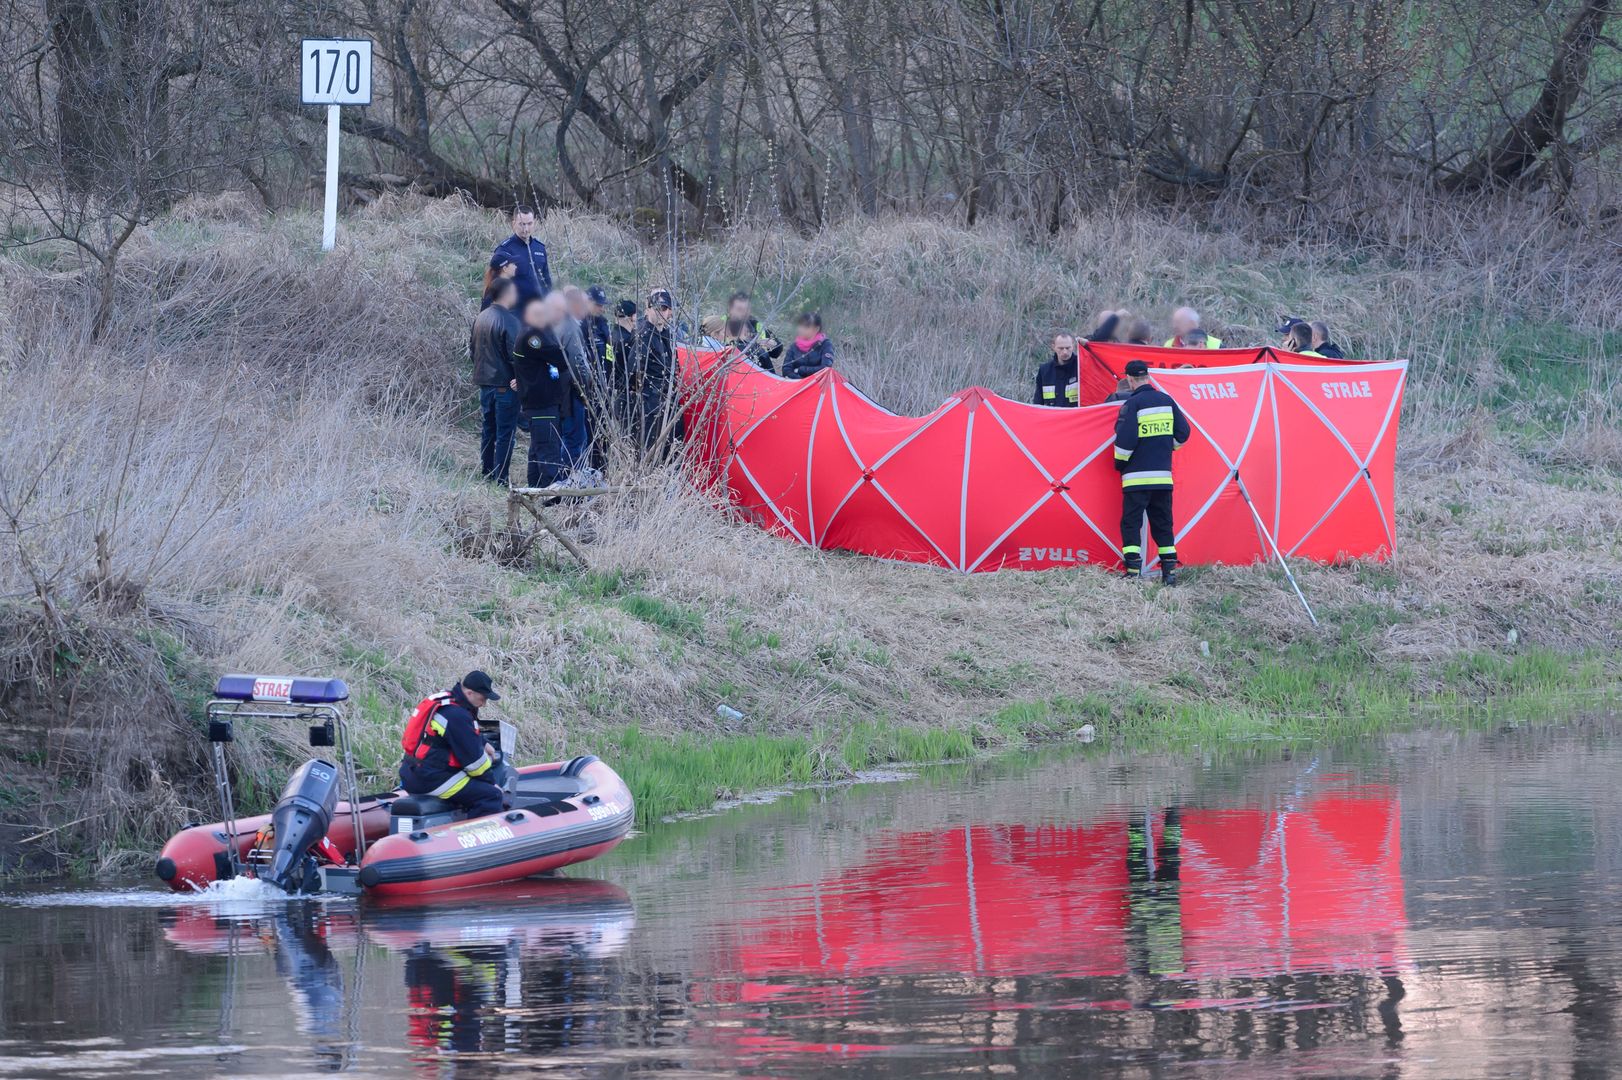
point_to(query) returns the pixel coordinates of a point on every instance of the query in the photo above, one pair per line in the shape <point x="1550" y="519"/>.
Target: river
<point x="1434" y="904"/>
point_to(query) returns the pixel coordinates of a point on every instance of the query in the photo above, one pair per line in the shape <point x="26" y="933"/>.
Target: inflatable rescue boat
<point x="323" y="837"/>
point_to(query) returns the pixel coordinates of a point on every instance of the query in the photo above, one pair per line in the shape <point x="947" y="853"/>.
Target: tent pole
<point x="1299" y="595"/>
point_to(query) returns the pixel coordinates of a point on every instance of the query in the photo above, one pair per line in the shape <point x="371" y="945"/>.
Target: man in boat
<point x="446" y="756"/>
<point x="1150" y="428"/>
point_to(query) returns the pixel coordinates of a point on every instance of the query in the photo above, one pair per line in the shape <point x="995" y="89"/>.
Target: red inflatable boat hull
<point x="457" y="855"/>
<point x="187" y="861"/>
<point x="506" y="846"/>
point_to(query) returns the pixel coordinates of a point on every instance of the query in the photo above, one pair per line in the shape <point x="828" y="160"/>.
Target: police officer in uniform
<point x="526" y="256"/>
<point x="1150" y="428"/>
<point x="451" y="759"/>
<point x="545" y="397"/>
<point x="654" y="366"/>
<point x="1057" y="381"/>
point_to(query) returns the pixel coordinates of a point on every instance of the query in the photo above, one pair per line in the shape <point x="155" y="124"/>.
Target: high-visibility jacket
<point x="1151" y="426"/>
<point x="448" y="750"/>
<point x="1210" y="343"/>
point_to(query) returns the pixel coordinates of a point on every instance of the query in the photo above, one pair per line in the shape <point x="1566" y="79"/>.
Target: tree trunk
<point x="1517" y="151"/>
<point x="107" y="96"/>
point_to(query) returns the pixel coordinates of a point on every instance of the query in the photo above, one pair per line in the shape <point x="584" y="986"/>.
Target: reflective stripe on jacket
<point x="451" y="752"/>
<point x="1151" y="426"/>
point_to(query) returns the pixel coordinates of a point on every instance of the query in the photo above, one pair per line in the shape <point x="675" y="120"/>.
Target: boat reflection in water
<point x="469" y="964"/>
<point x="513" y="967"/>
<point x="1180" y="925"/>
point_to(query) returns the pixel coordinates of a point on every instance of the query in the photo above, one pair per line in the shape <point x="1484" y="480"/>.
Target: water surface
<point x="1439" y="905"/>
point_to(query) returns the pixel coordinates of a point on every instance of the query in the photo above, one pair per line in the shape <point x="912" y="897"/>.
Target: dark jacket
<point x="624" y="389"/>
<point x="543" y="375"/>
<point x="495" y="336"/>
<point x="762" y="333"/>
<point x="534" y="276"/>
<point x="1330" y="351"/>
<point x="595" y="329"/>
<point x="1059" y="384"/>
<point x="619" y="358"/>
<point x="1151" y="426"/>
<point x="802" y="365"/>
<point x="591" y="381"/>
<point x="653" y="357"/>
<point x="754" y="350"/>
<point x="460" y="738"/>
<point x="653" y="371"/>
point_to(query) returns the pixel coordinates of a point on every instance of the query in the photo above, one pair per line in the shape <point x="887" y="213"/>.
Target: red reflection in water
<point x="1315" y="887"/>
<point x="984" y="899"/>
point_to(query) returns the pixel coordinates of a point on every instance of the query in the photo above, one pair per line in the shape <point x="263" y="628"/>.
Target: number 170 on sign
<point x="335" y="71"/>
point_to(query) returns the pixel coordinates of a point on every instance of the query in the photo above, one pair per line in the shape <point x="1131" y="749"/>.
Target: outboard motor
<point x="301" y="819"/>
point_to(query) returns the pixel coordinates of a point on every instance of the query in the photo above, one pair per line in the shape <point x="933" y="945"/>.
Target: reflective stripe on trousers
<point x="458" y="780"/>
<point x="450" y="787"/>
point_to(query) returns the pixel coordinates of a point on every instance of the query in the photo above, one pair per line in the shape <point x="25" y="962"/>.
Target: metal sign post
<point x="334" y="72"/>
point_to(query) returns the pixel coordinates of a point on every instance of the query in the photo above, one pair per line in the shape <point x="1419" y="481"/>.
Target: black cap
<point x="598" y="296"/>
<point x="1137" y="369"/>
<point x="661" y="298"/>
<point x="625" y="309"/>
<point x="479" y="683"/>
<point x="1287" y="323"/>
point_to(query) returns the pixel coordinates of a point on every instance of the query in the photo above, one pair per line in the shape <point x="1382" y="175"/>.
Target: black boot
<point x="1168" y="574"/>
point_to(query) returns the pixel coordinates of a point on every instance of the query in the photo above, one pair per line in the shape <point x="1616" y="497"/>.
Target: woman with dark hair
<point x="811" y="351"/>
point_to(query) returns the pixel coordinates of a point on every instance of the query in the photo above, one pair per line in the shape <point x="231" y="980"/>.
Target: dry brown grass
<point x="274" y="449"/>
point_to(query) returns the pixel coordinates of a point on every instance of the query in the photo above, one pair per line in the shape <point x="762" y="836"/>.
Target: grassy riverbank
<point x="274" y="453"/>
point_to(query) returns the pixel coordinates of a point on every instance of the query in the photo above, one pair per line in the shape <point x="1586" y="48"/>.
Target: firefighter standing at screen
<point x="446" y="757"/>
<point x="1150" y="428"/>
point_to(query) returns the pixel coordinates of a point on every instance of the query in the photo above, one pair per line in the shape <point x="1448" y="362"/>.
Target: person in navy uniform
<point x="1149" y="430"/>
<point x="541" y="374"/>
<point x="530" y="273"/>
<point x="654" y="367"/>
<point x="1058" y="380"/>
<point x="449" y="759"/>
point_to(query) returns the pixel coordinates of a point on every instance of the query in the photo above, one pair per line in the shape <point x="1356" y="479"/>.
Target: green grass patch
<point x="665" y="614"/>
<point x="873" y="742"/>
<point x="690" y="772"/>
<point x="681" y="773"/>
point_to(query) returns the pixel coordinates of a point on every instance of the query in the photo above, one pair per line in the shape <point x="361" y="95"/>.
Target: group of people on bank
<point x="1151" y="425"/>
<point x="572" y="371"/>
<point x="1058" y="378"/>
<point x="558" y="361"/>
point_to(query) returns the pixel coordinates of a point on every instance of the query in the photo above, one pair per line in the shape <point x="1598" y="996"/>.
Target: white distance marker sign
<point x="335" y="71"/>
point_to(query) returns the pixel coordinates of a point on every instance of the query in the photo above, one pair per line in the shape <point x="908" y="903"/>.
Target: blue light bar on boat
<point x="285" y="688"/>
